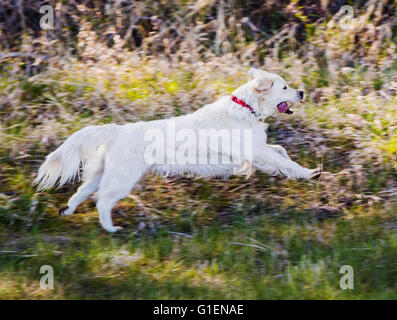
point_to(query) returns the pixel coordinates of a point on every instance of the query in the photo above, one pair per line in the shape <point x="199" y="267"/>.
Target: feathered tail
<point x="79" y="148"/>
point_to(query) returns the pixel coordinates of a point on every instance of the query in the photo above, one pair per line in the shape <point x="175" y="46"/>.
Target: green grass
<point x="300" y="259"/>
<point x="201" y="246"/>
<point x="299" y="254"/>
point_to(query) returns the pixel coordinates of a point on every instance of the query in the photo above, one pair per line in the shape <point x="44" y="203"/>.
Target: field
<point x="257" y="238"/>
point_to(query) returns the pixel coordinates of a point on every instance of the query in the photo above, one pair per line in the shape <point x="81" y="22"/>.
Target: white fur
<point x="112" y="156"/>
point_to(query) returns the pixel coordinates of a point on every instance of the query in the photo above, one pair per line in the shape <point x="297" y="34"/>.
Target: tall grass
<point x="262" y="238"/>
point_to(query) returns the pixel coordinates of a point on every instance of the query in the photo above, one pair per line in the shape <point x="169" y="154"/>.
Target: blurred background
<point x="262" y="238"/>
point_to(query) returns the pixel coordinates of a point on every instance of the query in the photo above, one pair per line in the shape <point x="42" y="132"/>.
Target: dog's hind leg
<point x="114" y="186"/>
<point x="89" y="186"/>
<point x="92" y="174"/>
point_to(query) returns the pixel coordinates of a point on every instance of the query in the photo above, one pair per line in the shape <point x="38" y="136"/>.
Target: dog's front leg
<point x="273" y="163"/>
<point x="280" y="150"/>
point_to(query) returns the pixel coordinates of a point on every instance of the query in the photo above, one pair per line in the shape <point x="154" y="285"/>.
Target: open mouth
<point x="283" y="107"/>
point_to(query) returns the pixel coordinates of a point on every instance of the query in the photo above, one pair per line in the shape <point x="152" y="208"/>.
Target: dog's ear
<point x="257" y="73"/>
<point x="253" y="73"/>
<point x="263" y="83"/>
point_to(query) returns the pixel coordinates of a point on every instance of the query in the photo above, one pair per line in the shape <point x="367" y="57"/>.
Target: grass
<point x="261" y="238"/>
<point x="300" y="259"/>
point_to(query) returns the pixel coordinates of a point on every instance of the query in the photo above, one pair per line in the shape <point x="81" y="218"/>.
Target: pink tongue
<point x="282" y="107"/>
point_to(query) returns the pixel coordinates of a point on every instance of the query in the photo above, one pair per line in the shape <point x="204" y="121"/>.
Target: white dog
<point x="115" y="157"/>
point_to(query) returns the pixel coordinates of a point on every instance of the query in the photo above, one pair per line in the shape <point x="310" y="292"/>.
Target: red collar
<point x="242" y="103"/>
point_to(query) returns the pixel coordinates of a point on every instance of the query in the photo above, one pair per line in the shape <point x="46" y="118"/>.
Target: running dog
<point x="113" y="158"/>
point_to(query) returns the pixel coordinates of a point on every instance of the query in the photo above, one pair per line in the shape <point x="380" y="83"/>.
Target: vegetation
<point x="261" y="238"/>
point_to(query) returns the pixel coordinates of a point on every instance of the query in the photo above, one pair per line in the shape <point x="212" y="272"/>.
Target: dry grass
<point x="292" y="236"/>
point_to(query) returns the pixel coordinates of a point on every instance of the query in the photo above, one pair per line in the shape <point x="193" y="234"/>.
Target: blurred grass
<point x="300" y="259"/>
<point x="196" y="239"/>
<point x="300" y="246"/>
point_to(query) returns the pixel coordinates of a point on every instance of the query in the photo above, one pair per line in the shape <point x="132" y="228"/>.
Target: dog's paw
<point x="64" y="211"/>
<point x="113" y="229"/>
<point x="315" y="173"/>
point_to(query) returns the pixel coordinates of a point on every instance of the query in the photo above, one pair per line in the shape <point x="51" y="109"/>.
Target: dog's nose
<point x="300" y="94"/>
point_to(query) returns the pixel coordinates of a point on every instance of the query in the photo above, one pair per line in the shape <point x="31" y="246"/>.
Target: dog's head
<point x="268" y="92"/>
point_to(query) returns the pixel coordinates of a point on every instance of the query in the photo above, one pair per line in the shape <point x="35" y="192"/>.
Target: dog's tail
<point x="80" y="148"/>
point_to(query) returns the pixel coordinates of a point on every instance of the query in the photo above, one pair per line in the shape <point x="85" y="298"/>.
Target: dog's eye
<point x="285" y="88"/>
